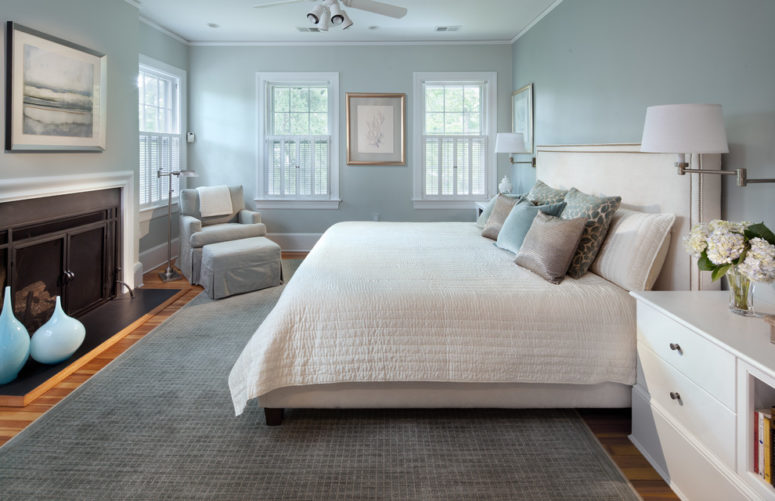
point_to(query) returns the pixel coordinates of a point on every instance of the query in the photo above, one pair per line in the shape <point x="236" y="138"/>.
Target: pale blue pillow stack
<point x="518" y="222"/>
<point x="481" y="221"/>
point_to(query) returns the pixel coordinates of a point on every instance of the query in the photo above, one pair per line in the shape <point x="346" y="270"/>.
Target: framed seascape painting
<point x="376" y="129"/>
<point x="55" y="93"/>
<point x="522" y="114"/>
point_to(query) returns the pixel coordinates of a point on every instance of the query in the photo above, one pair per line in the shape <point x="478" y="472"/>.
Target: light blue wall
<point x="597" y="64"/>
<point x="162" y="47"/>
<point x="110" y="27"/>
<point x="222" y="96"/>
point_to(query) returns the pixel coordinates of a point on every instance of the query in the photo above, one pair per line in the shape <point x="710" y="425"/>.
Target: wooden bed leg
<point x="274" y="417"/>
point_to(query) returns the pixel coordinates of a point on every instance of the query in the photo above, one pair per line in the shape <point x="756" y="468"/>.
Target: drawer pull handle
<point x="675" y="395"/>
<point x="675" y="347"/>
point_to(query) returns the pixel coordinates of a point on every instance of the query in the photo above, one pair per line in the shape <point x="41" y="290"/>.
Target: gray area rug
<point x="158" y="423"/>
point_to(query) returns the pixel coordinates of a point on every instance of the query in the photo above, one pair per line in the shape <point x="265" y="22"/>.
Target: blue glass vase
<point x="56" y="340"/>
<point x="14" y="342"/>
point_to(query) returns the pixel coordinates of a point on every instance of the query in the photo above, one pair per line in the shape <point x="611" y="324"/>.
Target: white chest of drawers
<point x="702" y="371"/>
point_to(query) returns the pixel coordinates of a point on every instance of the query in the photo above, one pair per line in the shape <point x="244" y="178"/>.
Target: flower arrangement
<point x="744" y="252"/>
<point x="723" y="245"/>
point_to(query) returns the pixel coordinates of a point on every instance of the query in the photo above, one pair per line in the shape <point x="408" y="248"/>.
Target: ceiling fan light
<point x="346" y="22"/>
<point x="315" y="15"/>
<point x="336" y="12"/>
<point x="324" y="20"/>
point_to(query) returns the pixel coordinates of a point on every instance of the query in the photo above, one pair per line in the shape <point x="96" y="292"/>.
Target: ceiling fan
<point x="329" y="12"/>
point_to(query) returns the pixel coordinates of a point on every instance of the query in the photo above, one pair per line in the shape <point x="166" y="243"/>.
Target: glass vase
<point x="740" y="293"/>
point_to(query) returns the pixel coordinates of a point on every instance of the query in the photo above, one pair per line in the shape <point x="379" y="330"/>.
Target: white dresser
<point x="702" y="371"/>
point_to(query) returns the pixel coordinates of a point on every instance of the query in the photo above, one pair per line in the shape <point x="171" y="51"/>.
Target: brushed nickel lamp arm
<point x="692" y="128"/>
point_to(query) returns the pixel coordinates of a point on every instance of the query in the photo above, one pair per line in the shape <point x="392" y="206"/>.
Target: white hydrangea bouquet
<point x="744" y="252"/>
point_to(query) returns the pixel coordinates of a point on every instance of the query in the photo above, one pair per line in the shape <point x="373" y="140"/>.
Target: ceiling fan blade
<point x="377" y="7"/>
<point x="275" y="2"/>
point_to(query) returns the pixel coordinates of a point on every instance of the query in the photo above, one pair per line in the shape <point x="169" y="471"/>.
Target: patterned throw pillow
<point x="598" y="212"/>
<point x="543" y="194"/>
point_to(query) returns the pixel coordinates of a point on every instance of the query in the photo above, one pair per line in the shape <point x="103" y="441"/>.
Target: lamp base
<point x="169" y="275"/>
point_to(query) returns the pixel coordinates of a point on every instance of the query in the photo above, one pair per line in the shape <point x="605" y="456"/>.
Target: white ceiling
<point x="238" y="21"/>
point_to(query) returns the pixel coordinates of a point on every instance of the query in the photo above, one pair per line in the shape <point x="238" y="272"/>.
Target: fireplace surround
<point x="66" y="235"/>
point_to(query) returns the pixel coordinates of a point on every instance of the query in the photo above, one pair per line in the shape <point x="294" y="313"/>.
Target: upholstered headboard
<point x="646" y="182"/>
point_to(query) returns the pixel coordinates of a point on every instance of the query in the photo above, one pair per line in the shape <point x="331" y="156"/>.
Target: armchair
<point x="196" y="231"/>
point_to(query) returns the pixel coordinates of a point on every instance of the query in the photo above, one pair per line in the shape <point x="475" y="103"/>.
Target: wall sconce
<point x="512" y="143"/>
<point x="690" y="129"/>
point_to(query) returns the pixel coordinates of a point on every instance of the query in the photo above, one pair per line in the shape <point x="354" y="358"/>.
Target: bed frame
<point x="646" y="182"/>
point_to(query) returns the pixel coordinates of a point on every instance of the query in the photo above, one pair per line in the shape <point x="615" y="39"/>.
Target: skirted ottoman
<point x="239" y="266"/>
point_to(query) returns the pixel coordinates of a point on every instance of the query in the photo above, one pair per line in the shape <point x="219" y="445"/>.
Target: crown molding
<point x="346" y="43"/>
<point x="158" y="27"/>
<point x="535" y="21"/>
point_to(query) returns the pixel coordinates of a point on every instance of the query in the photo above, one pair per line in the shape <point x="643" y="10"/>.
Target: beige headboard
<point x="646" y="182"/>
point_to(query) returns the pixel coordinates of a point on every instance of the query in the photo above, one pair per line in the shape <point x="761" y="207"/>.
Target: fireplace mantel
<point x="45" y="186"/>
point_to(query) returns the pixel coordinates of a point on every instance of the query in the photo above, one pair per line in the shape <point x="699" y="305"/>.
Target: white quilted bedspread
<point x="433" y="302"/>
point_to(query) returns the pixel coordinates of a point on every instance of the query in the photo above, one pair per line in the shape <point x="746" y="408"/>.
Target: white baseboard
<point x="294" y="242"/>
<point x="156" y="256"/>
<point x="138" y="275"/>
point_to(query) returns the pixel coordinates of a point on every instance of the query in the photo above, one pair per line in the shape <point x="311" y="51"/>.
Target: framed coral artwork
<point x="376" y="129"/>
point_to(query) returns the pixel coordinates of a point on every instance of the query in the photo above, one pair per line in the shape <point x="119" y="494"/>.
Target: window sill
<point x="296" y="204"/>
<point x="154" y="211"/>
<point x="445" y="204"/>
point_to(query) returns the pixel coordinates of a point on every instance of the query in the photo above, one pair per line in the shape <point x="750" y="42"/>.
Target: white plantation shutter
<point x="160" y="134"/>
<point x="297" y="152"/>
<point x="454" y="140"/>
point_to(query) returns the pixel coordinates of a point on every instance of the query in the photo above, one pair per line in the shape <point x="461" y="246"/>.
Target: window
<point x="160" y="93"/>
<point x="454" y="159"/>
<point x="298" y="148"/>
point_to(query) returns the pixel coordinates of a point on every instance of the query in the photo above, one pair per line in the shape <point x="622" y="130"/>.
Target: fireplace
<point x="66" y="245"/>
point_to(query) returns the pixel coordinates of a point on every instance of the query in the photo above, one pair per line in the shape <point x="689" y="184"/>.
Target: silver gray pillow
<point x="500" y="212"/>
<point x="549" y="246"/>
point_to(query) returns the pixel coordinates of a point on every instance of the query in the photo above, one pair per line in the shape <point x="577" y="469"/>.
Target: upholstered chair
<point x="197" y="231"/>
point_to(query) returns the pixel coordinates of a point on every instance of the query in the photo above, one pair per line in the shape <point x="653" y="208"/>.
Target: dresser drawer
<point x="688" y="404"/>
<point x="683" y="466"/>
<point x="703" y="362"/>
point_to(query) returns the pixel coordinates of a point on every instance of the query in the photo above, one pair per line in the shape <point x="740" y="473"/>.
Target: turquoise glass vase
<point x="56" y="340"/>
<point x="14" y="342"/>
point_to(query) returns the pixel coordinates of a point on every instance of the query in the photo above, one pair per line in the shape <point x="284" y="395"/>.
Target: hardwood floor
<point x="611" y="427"/>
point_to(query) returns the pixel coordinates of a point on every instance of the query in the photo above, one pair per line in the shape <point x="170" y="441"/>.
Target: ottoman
<point x="239" y="266"/>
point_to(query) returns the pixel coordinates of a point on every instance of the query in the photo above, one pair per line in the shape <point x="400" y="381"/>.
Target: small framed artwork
<point x="55" y="93"/>
<point x="376" y="129"/>
<point x="522" y="114"/>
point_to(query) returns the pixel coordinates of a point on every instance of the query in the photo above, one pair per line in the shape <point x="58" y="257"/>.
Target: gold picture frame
<point x="522" y="114"/>
<point x="376" y="129"/>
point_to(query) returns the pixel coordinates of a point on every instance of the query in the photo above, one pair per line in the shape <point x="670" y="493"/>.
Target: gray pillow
<point x="481" y="221"/>
<point x="500" y="212"/>
<point x="518" y="222"/>
<point x="542" y="194"/>
<point x="598" y="211"/>
<point x="549" y="246"/>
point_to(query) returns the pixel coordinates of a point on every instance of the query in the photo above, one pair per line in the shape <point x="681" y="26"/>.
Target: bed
<point x="434" y="315"/>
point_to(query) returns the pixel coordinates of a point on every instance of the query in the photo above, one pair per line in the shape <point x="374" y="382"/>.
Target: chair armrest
<point x="188" y="226"/>
<point x="226" y="232"/>
<point x="249" y="217"/>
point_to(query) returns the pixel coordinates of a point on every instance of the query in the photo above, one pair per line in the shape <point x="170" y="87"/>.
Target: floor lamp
<point x="170" y="274"/>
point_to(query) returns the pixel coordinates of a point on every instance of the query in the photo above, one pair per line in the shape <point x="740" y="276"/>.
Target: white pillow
<point x="634" y="250"/>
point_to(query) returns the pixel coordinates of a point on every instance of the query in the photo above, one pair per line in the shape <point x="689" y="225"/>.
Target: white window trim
<point x="419" y="199"/>
<point x="264" y="202"/>
<point x="147" y="212"/>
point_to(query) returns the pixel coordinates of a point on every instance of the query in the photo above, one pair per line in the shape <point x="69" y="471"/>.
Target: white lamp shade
<point x="684" y="128"/>
<point x="510" y="142"/>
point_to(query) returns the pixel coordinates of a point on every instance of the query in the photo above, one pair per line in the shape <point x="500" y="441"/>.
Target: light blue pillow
<point x="481" y="221"/>
<point x="519" y="220"/>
